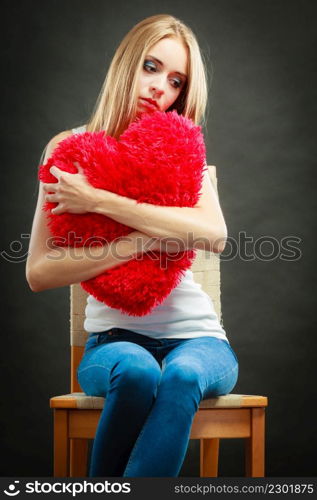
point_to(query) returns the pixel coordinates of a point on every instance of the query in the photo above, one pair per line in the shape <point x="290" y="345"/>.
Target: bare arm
<point x="202" y="226"/>
<point x="51" y="267"/>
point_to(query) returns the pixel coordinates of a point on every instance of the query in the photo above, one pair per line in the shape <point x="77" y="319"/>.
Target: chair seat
<point x="80" y="401"/>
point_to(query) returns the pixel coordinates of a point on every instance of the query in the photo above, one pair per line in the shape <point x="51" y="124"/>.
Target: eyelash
<point x="152" y="65"/>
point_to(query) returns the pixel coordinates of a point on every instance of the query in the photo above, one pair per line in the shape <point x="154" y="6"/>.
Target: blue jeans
<point x="153" y="388"/>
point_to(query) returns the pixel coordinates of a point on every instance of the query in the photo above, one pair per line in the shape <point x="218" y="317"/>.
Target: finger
<point x="51" y="198"/>
<point x="57" y="210"/>
<point x="57" y="172"/>
<point x="50" y="187"/>
<point x="79" y="168"/>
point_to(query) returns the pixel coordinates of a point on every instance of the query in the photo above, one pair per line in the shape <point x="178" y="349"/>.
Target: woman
<point x="153" y="370"/>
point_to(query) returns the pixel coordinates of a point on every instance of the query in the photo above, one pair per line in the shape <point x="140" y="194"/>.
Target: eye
<point x="177" y="83"/>
<point x="149" y="66"/>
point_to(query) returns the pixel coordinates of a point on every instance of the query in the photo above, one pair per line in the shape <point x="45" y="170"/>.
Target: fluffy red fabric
<point x="159" y="159"/>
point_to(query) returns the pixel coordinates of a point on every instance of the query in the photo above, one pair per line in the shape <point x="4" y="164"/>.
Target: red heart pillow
<point x="159" y="159"/>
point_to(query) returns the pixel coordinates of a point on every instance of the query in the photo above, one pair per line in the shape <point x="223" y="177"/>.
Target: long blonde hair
<point x="117" y="102"/>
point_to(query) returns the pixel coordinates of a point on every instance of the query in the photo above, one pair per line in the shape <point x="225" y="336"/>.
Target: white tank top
<point x="187" y="312"/>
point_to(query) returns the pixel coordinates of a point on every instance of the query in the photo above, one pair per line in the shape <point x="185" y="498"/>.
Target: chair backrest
<point x="206" y="271"/>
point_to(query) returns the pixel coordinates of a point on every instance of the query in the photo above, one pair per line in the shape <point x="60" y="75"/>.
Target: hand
<point x="72" y="192"/>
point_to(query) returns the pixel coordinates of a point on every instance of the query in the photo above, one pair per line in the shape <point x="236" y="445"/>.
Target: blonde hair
<point x="117" y="102"/>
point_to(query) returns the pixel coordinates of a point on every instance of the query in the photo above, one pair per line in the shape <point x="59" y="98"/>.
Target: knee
<point x="136" y="372"/>
<point x="181" y="386"/>
<point x="184" y="378"/>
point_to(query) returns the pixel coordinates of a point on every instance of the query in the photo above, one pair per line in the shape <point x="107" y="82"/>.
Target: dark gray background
<point x="261" y="135"/>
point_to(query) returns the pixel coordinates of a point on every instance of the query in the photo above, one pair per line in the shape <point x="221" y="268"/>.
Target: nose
<point x="157" y="92"/>
<point x="157" y="86"/>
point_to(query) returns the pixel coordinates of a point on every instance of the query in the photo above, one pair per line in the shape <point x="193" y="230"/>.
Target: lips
<point x="149" y="103"/>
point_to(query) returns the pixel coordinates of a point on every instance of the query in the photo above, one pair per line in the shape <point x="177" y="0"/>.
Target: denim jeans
<point x="153" y="388"/>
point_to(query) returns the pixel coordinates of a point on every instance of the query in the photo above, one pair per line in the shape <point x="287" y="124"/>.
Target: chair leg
<point x="254" y="446"/>
<point x="60" y="443"/>
<point x="209" y="452"/>
<point x="78" y="457"/>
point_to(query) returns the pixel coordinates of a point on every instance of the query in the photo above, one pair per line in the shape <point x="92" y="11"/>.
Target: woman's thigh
<point x="126" y="361"/>
<point x="207" y="361"/>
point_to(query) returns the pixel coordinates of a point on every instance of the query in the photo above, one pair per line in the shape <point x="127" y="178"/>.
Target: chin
<point x="141" y="112"/>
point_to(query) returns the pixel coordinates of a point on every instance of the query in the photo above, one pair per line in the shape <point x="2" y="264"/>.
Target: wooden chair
<point x="232" y="416"/>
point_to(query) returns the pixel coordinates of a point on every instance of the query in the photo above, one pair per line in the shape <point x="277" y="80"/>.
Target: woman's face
<point x="163" y="76"/>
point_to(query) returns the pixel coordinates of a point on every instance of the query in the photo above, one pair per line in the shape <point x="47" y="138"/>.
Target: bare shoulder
<point x="51" y="145"/>
<point x="58" y="138"/>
